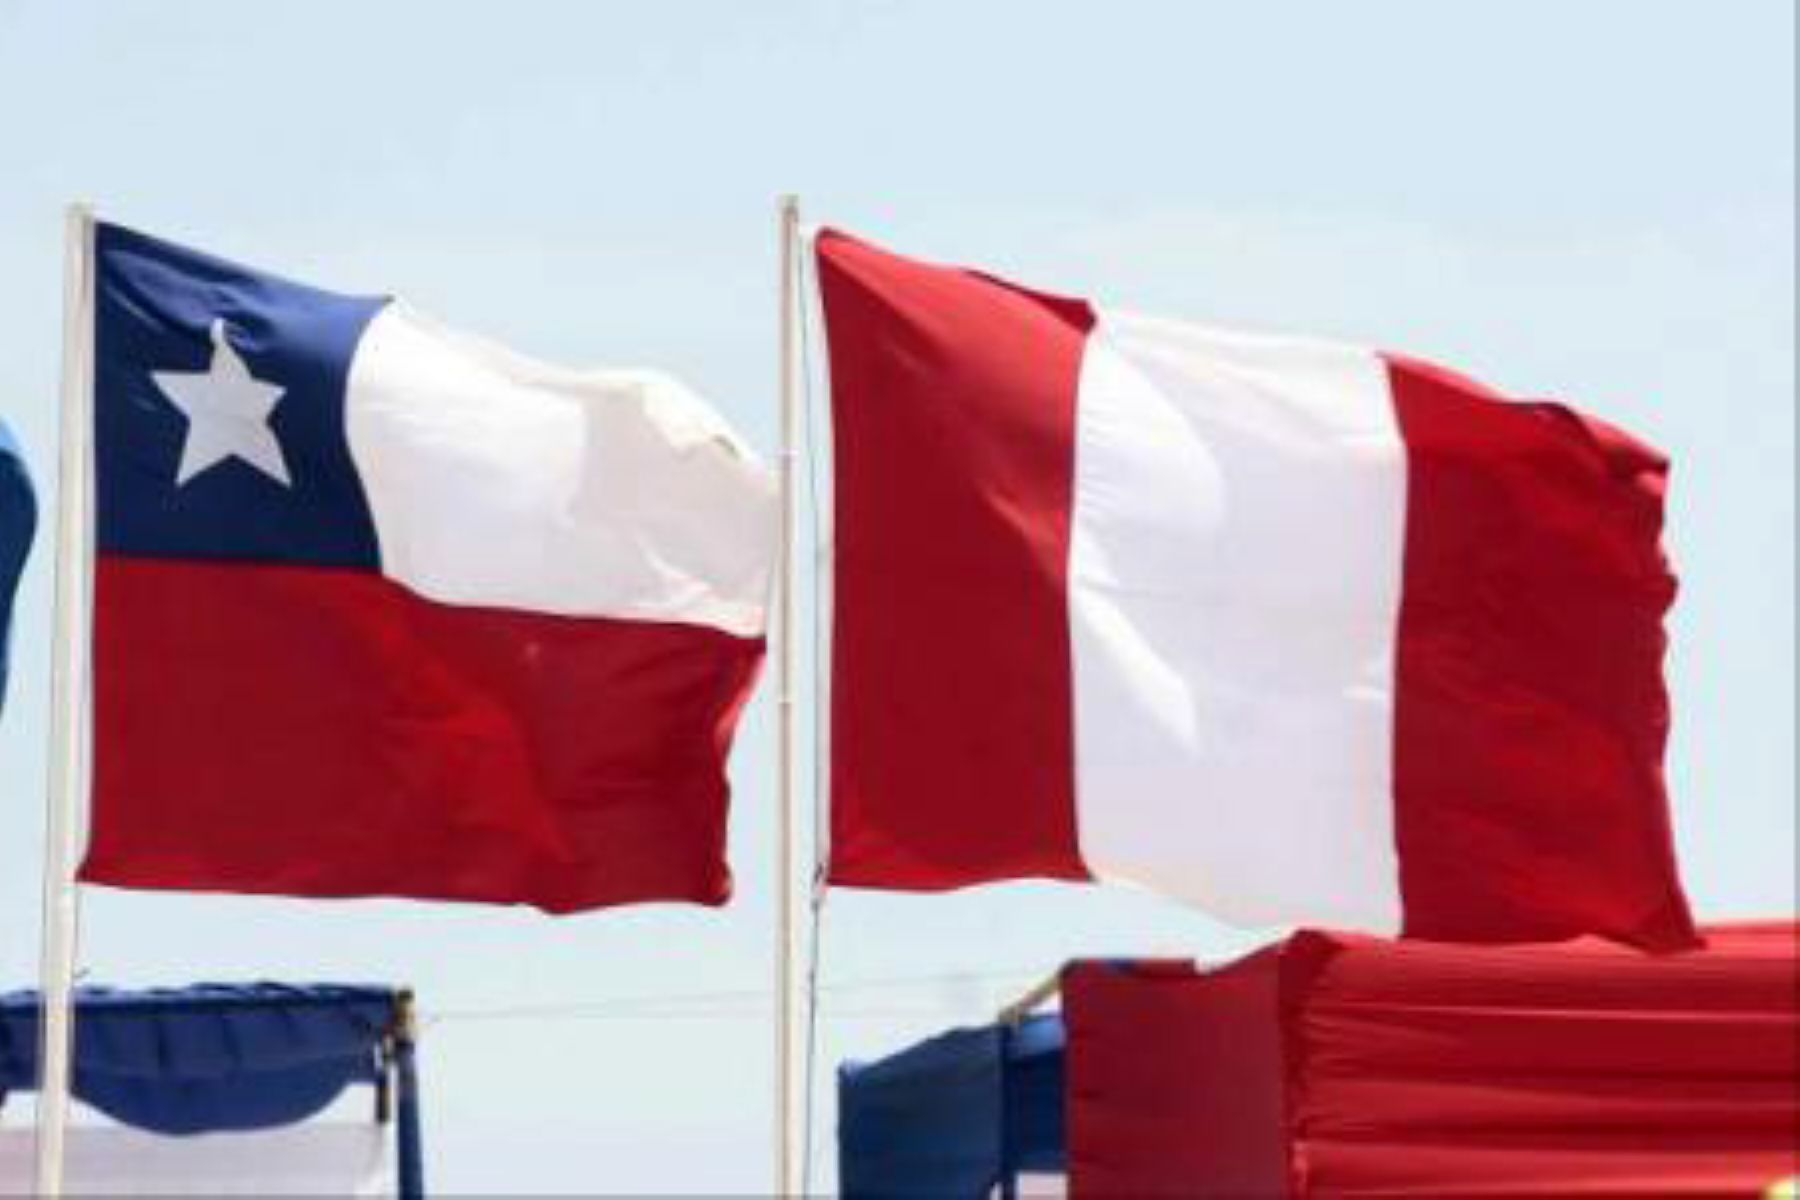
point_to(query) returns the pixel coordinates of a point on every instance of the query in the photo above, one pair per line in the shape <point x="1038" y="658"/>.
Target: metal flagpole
<point x="68" y="694"/>
<point x="407" y="1133"/>
<point x="787" y="650"/>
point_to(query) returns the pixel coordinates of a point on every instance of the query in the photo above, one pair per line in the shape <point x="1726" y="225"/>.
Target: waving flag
<point x="1297" y="632"/>
<point x="385" y="610"/>
<point x="18" y="522"/>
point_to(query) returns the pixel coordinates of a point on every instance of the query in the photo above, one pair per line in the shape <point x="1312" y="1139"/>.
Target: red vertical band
<point x="1530" y="712"/>
<point x="953" y="410"/>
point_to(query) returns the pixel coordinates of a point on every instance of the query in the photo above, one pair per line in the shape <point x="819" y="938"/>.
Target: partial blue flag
<point x="18" y="521"/>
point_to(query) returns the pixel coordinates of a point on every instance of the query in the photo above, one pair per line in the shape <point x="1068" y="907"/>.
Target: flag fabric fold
<point x="383" y="609"/>
<point x="1293" y="631"/>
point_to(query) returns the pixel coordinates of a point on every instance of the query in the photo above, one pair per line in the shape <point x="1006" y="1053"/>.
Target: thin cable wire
<point x="934" y="1012"/>
<point x="725" y="1002"/>
<point x="810" y="1057"/>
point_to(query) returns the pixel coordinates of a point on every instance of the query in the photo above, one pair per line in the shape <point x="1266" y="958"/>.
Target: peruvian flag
<point x="1296" y="632"/>
<point x="384" y="609"/>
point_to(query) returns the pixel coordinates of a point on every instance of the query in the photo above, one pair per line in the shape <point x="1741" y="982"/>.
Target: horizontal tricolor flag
<point x="1293" y="631"/>
<point x="382" y="609"/>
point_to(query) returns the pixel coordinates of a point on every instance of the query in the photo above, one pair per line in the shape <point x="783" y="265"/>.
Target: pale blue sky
<point x="1593" y="201"/>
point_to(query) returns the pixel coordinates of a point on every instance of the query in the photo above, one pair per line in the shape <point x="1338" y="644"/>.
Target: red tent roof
<point x="1338" y="1065"/>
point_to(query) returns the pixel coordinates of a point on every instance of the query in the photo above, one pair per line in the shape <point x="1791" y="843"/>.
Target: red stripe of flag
<point x="951" y="702"/>
<point x="1530" y="710"/>
<point x="319" y="732"/>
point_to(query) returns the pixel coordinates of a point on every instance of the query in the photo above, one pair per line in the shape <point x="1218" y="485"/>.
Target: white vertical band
<point x="1235" y="579"/>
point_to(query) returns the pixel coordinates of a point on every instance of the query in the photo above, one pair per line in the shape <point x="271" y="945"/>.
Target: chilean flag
<point x="382" y="609"/>
<point x="1299" y="633"/>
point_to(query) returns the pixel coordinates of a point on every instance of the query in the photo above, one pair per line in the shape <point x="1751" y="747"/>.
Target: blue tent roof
<point x="209" y="1057"/>
<point x="955" y="1115"/>
<point x="18" y="521"/>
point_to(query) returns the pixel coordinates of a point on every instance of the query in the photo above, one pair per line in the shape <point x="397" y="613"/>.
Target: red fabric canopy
<point x="1330" y="1065"/>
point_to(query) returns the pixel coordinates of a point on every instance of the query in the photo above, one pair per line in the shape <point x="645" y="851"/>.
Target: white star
<point x="227" y="411"/>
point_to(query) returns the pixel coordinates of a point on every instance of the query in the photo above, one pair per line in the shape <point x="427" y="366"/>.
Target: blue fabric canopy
<point x="955" y="1115"/>
<point x="18" y="521"/>
<point x="210" y="1057"/>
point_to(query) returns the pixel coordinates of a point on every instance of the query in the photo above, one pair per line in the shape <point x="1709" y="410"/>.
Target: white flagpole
<point x="785" y="1091"/>
<point x="68" y="693"/>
